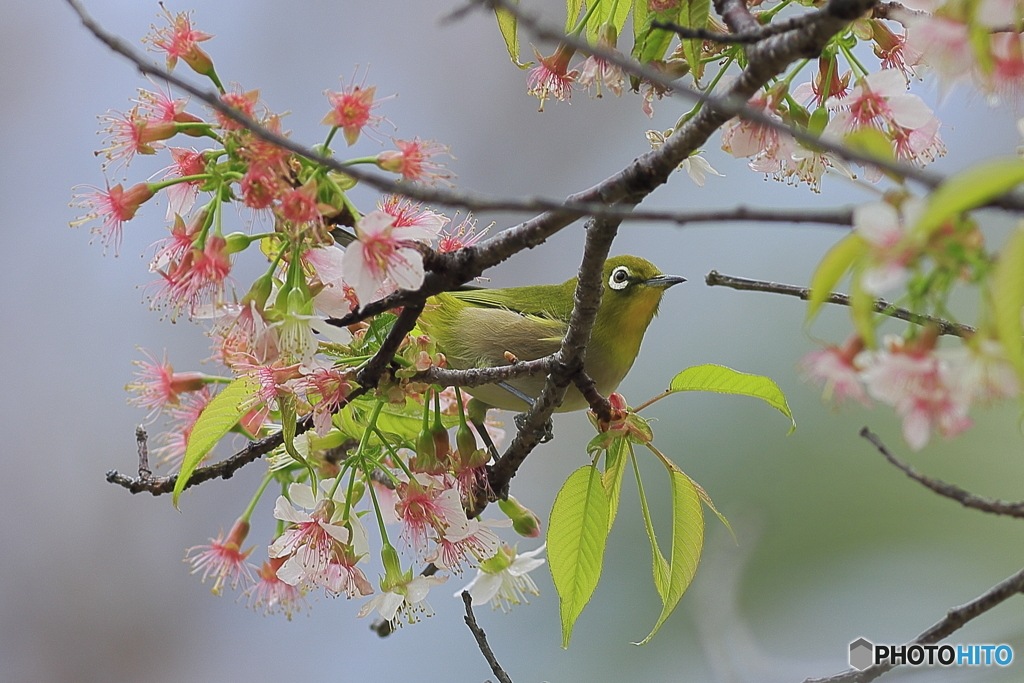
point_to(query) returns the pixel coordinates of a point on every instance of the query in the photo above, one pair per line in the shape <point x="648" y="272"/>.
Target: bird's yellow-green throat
<point x="486" y="327"/>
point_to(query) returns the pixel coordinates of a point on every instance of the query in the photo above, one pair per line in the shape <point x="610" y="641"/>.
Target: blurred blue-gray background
<point x="833" y="543"/>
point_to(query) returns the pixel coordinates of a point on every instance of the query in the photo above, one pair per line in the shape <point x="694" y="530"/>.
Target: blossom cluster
<point x="380" y="459"/>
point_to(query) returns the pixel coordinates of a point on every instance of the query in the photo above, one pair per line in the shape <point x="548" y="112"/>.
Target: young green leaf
<point x="694" y="14"/>
<point x="723" y="380"/>
<point x="837" y="261"/>
<point x="862" y="310"/>
<point x="615" y="460"/>
<point x="687" y="542"/>
<point x="1008" y="297"/>
<point x="572" y="14"/>
<point x="216" y="420"/>
<point x="508" y="24"/>
<point x="659" y="567"/>
<point x="969" y="189"/>
<point x="577" y="531"/>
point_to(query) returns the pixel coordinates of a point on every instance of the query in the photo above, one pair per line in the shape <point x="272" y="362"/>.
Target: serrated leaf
<point x="615" y="461"/>
<point x="1008" y="297"/>
<point x="603" y="15"/>
<point x="572" y="13"/>
<point x="694" y="14"/>
<point x="832" y="268"/>
<point x="707" y="501"/>
<point x="508" y="24"/>
<point x="659" y="565"/>
<point x="216" y="420"/>
<point x="967" y="190"/>
<point x="577" y="531"/>
<point x="687" y="542"/>
<point x="723" y="380"/>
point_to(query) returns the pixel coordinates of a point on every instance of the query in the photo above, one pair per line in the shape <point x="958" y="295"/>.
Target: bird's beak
<point x="664" y="281"/>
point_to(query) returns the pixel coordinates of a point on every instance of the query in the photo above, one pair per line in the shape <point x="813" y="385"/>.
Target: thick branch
<point x="965" y="498"/>
<point x="956" y="618"/>
<point x="481" y="640"/>
<point x="474" y="377"/>
<point x="716" y="279"/>
<point x="568" y="360"/>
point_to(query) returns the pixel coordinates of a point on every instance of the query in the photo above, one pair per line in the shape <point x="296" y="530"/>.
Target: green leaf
<point x="969" y="189"/>
<point x="615" y="460"/>
<point x="694" y="14"/>
<point x="577" y="531"/>
<point x="862" y="310"/>
<point x="659" y="565"/>
<point x="572" y="13"/>
<point x="216" y="420"/>
<point x="723" y="380"/>
<point x="833" y="266"/>
<point x="1008" y="297"/>
<point x="508" y="24"/>
<point x="873" y="142"/>
<point x="603" y="15"/>
<point x="687" y="542"/>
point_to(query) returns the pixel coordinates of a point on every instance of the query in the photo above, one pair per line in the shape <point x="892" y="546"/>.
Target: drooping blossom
<point x="300" y="205"/>
<point x="1007" y="77"/>
<point x="223" y="559"/>
<point x="834" y="368"/>
<point x="330" y="386"/>
<point x="921" y="386"/>
<point x="403" y="602"/>
<point x="181" y="197"/>
<point x="343" y="576"/>
<point x="981" y="370"/>
<point x="415" y="160"/>
<point x="476" y="541"/>
<point x="944" y="44"/>
<point x="243" y="102"/>
<point x="180" y="41"/>
<point x="598" y="72"/>
<point x="885" y="228"/>
<point x="198" y="277"/>
<point x="157" y="385"/>
<point x="241" y="334"/>
<point x="698" y="168"/>
<point x="828" y="82"/>
<point x="335" y="298"/>
<point x="114" y="206"/>
<point x="429" y="507"/>
<point x="271" y="595"/>
<point x="551" y="77"/>
<point x="352" y="110"/>
<point x="504" y="580"/>
<point x="312" y="539"/>
<point x="744" y="138"/>
<point x="130" y="133"/>
<point x="383" y="251"/>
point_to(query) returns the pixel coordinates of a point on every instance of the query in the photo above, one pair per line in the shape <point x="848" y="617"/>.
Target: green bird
<point x="480" y="328"/>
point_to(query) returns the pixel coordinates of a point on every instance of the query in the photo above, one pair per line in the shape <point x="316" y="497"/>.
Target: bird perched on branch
<point x="480" y="328"/>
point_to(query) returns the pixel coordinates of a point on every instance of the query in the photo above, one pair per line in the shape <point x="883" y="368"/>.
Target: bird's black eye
<point x="619" y="278"/>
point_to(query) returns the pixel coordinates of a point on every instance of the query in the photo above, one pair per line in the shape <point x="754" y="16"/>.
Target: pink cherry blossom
<point x="312" y="539"/>
<point x="408" y="214"/>
<point x="551" y="77"/>
<point x="157" y="385"/>
<point x="885" y="229"/>
<point x="224" y="559"/>
<point x="352" y="110"/>
<point x="180" y="41"/>
<point x="463" y="235"/>
<point x="415" y="160"/>
<point x="429" y="507"/>
<point x="833" y="367"/>
<point x="114" y="206"/>
<point x="943" y="44"/>
<point x="383" y="251"/>
<point x="271" y="595"/>
<point x="183" y="417"/>
<point x="921" y="386"/>
<point x="476" y="540"/>
<point x="182" y="196"/>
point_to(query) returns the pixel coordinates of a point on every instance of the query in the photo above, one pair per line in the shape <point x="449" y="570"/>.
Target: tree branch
<point x="474" y="377"/>
<point x="745" y="37"/>
<point x="716" y="279"/>
<point x="481" y="640"/>
<point x="956" y="618"/>
<point x="569" y="359"/>
<point x="965" y="498"/>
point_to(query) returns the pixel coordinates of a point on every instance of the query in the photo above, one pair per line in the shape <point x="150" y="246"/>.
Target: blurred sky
<point x="833" y="543"/>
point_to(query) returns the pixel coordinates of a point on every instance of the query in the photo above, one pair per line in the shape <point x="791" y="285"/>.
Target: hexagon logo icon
<point x="861" y="653"/>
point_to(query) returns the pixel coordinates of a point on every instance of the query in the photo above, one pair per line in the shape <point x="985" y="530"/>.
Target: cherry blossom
<point x="181" y="197"/>
<point x="551" y="77"/>
<point x="476" y="540"/>
<point x="312" y="539"/>
<point x="834" y="368"/>
<point x="224" y="559"/>
<point x="885" y="229"/>
<point x="383" y="251"/>
<point x="922" y="387"/>
<point x="352" y="110"/>
<point x="180" y="41"/>
<point x="159" y="386"/>
<point x="273" y="595"/>
<point x="183" y="418"/>
<point x="429" y="506"/>
<point x="130" y="133"/>
<point x="504" y="580"/>
<point x="114" y="206"/>
<point x="465" y="234"/>
<point x="414" y="160"/>
<point x="408" y="214"/>
<point x="403" y="602"/>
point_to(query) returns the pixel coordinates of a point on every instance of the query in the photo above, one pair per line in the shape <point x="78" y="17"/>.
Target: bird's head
<point x="630" y="281"/>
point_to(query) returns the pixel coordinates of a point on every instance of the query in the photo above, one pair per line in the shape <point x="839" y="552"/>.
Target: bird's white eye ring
<point x="619" y="278"/>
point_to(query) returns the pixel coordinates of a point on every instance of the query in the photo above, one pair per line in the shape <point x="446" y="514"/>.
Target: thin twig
<point x="716" y="279"/>
<point x="481" y="640"/>
<point x="956" y="618"/>
<point x="965" y="498"/>
<point x="756" y="35"/>
<point x="598" y="403"/>
<point x="224" y="469"/>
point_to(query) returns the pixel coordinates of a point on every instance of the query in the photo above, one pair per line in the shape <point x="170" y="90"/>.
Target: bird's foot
<point x="546" y="430"/>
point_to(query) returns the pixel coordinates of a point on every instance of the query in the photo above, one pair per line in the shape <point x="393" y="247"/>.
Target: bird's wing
<point x="497" y="331"/>
<point x="545" y="301"/>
